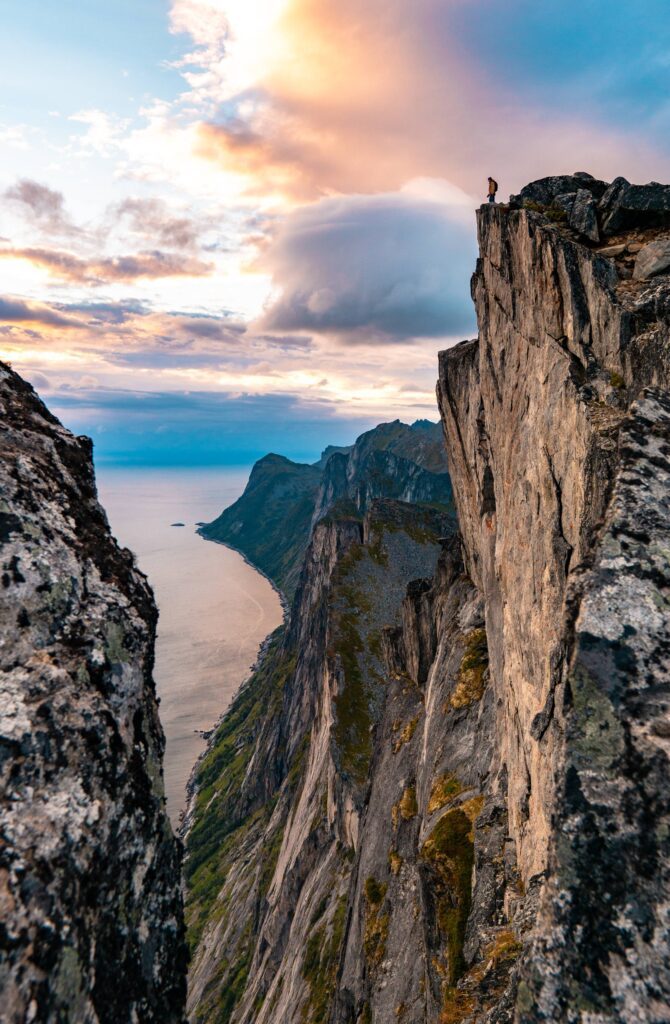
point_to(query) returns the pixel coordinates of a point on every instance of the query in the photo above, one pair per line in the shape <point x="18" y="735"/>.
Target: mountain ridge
<point x="270" y="523"/>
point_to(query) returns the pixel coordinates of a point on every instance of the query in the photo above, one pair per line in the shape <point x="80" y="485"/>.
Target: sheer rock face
<point x="92" y="925"/>
<point x="561" y="489"/>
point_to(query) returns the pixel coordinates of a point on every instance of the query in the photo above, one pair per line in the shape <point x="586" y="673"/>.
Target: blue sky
<point x="227" y="228"/>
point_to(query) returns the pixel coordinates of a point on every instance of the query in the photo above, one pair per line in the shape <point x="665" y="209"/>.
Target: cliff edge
<point x="558" y="430"/>
<point x="91" y="926"/>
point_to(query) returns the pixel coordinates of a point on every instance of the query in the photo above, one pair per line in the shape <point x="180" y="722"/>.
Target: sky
<point x="229" y="227"/>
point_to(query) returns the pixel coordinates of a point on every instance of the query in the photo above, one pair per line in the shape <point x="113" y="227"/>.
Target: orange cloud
<point x="362" y="97"/>
<point x="121" y="269"/>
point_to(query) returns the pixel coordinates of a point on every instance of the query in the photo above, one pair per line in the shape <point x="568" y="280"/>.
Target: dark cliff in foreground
<point x="91" y="925"/>
<point x="443" y="796"/>
<point x="271" y="522"/>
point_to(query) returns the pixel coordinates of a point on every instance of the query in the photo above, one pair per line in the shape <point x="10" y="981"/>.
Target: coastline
<point x="186" y="816"/>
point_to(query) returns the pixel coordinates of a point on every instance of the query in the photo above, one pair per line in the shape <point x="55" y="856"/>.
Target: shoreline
<point x="186" y="815"/>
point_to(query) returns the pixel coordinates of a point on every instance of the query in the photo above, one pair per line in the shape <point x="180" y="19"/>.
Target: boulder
<point x="564" y="202"/>
<point x="545" y="190"/>
<point x="625" y="206"/>
<point x="653" y="259"/>
<point x="583" y="216"/>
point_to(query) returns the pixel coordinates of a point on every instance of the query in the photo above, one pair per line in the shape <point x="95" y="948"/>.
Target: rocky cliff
<point x="558" y="434"/>
<point x="271" y="522"/>
<point x="91" y="925"/>
<point x="443" y="796"/>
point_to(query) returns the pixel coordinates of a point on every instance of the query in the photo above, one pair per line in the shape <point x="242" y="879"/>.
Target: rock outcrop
<point x="443" y="797"/>
<point x="91" y="927"/>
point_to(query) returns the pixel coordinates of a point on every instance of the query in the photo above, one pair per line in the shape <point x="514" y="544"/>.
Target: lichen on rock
<point x="92" y="923"/>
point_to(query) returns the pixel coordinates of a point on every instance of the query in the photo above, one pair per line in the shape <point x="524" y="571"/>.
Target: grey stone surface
<point x="652" y="259"/>
<point x="564" y="202"/>
<point x="583" y="215"/>
<point x="90" y="893"/>
<point x="603" y="942"/>
<point x="624" y="206"/>
<point x="545" y="190"/>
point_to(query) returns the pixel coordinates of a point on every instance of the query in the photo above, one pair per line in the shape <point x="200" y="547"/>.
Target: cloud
<point x="14" y="310"/>
<point x="106" y="270"/>
<point x="359" y="97"/>
<point x="45" y="206"/>
<point x="152" y="219"/>
<point x="202" y="428"/>
<point x="373" y="268"/>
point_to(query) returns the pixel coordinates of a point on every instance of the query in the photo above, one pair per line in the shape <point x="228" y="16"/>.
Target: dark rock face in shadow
<point x="92" y="923"/>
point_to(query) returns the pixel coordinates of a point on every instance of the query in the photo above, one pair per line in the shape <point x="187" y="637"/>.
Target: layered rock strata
<point x="91" y="927"/>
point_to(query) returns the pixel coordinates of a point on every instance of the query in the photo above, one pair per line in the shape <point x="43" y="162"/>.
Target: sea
<point x="214" y="608"/>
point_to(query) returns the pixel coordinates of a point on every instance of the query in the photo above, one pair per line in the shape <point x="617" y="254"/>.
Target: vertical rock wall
<point x="91" y="925"/>
<point x="442" y="799"/>
<point x="540" y="433"/>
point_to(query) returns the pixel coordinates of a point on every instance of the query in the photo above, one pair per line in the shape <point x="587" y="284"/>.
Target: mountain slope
<point x="270" y="523"/>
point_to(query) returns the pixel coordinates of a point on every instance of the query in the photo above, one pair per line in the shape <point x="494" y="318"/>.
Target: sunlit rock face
<point x="92" y="923"/>
<point x="443" y="796"/>
<point x="558" y="435"/>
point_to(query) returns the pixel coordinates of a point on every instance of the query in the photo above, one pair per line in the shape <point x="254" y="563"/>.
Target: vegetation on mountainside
<point x="376" y="923"/>
<point x="449" y="854"/>
<point x="319" y="969"/>
<point x="270" y="523"/>
<point x="471" y="679"/>
<point x="222" y="821"/>
<point x="243" y="800"/>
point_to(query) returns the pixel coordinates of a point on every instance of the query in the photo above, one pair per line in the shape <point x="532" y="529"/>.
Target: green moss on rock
<point x="471" y="679"/>
<point x="449" y="852"/>
<point x="319" y="968"/>
<point x="376" y="923"/>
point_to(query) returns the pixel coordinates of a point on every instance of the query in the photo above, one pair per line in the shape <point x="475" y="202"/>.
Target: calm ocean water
<point x="215" y="609"/>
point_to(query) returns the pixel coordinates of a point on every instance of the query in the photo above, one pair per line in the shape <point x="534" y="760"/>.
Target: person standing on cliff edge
<point x="493" y="188"/>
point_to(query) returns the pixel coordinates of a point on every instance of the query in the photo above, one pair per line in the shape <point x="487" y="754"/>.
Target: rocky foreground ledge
<point x="91" y="925"/>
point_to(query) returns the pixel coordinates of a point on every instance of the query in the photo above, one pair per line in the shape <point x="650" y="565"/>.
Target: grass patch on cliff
<point x="406" y="735"/>
<point x="449" y="854"/>
<point x="350" y="604"/>
<point x="483" y="985"/>
<point x="406" y="807"/>
<point x="443" y="790"/>
<point x="471" y="682"/>
<point x="376" y="923"/>
<point x="319" y="968"/>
